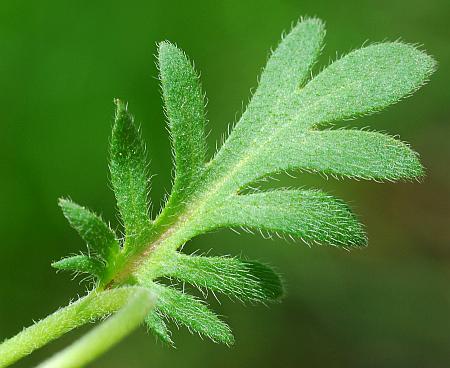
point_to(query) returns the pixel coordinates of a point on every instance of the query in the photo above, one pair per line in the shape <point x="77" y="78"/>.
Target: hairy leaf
<point x="281" y="129"/>
<point x="98" y="235"/>
<point x="189" y="311"/>
<point x="290" y="64"/>
<point x="157" y="326"/>
<point x="308" y="214"/>
<point x="184" y="103"/>
<point x="80" y="263"/>
<point x="350" y="153"/>
<point x="245" y="280"/>
<point x="362" y="82"/>
<point x="129" y="175"/>
<point x="288" y="67"/>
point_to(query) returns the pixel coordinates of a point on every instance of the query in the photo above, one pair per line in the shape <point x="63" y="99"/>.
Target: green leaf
<point x="184" y="102"/>
<point x="245" y="280"/>
<point x="289" y="66"/>
<point x="287" y="69"/>
<point x="98" y="235"/>
<point x="81" y="263"/>
<point x="129" y="174"/>
<point x="349" y="153"/>
<point x="308" y="214"/>
<point x="157" y="326"/>
<point x="189" y="311"/>
<point x="362" y="82"/>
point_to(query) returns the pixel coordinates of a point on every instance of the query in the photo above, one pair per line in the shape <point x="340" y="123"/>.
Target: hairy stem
<point x="87" y="309"/>
<point x="103" y="337"/>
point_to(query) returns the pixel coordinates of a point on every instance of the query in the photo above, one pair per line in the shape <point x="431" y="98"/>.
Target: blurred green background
<point x="61" y="65"/>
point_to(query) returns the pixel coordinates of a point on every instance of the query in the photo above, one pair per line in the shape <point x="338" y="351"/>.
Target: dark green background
<point x="61" y="65"/>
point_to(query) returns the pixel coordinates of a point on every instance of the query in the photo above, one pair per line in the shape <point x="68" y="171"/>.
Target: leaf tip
<point x="121" y="109"/>
<point x="269" y="281"/>
<point x="68" y="207"/>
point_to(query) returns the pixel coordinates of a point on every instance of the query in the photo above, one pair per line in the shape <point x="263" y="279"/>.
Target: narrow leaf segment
<point x="307" y="214"/>
<point x="184" y="103"/>
<point x="129" y="175"/>
<point x="95" y="232"/>
<point x="189" y="311"/>
<point x="244" y="280"/>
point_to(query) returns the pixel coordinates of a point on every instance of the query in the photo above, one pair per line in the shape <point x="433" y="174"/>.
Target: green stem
<point x="87" y="309"/>
<point x="109" y="333"/>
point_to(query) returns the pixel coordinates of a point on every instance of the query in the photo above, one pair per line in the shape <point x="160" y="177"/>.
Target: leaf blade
<point x="308" y="214"/>
<point x="158" y="327"/>
<point x="287" y="69"/>
<point x="289" y="66"/>
<point x="350" y="153"/>
<point x="192" y="313"/>
<point x="129" y="177"/>
<point x="80" y="263"/>
<point x="100" y="238"/>
<point x="244" y="280"/>
<point x="184" y="105"/>
<point x="364" y="81"/>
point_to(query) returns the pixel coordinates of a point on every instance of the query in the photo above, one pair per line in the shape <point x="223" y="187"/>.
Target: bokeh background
<point x="61" y="65"/>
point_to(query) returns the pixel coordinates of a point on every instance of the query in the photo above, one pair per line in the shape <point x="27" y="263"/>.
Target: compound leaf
<point x="281" y="129"/>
